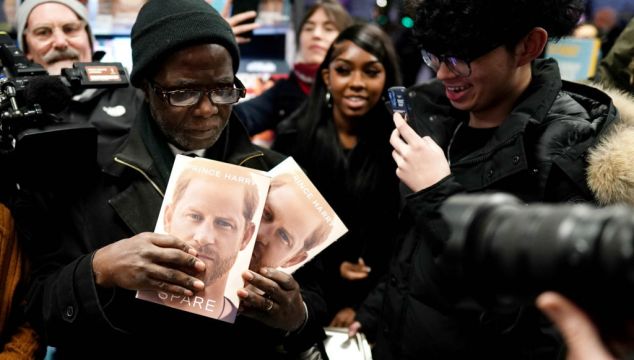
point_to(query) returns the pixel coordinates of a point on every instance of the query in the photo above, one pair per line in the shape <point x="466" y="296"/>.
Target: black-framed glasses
<point x="190" y="97"/>
<point x="457" y="66"/>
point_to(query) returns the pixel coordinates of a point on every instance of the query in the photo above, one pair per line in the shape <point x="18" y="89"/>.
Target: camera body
<point x="504" y="253"/>
<point x="29" y="97"/>
<point x="34" y="141"/>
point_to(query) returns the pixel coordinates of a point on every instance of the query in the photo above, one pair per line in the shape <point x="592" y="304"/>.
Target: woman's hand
<point x="344" y="317"/>
<point x="354" y="271"/>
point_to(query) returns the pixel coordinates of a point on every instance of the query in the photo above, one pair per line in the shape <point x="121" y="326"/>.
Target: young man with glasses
<point x="497" y="118"/>
<point x="93" y="247"/>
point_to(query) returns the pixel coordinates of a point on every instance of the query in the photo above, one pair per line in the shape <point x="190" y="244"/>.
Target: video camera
<point x="33" y="139"/>
<point x="504" y="253"/>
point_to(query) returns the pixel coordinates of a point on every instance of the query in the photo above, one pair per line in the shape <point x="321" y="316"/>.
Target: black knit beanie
<point x="165" y="26"/>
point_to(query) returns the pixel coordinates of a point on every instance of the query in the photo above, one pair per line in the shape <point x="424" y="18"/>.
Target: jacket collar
<point x="147" y="157"/>
<point x="538" y="98"/>
<point x="535" y="102"/>
<point x="533" y="106"/>
<point x="146" y="149"/>
<point x="610" y="174"/>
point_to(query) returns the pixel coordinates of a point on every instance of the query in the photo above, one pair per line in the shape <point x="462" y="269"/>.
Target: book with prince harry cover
<point x="216" y="208"/>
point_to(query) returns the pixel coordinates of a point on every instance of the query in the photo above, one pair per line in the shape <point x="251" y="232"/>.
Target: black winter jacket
<point x="62" y="230"/>
<point x="268" y="109"/>
<point x="538" y="154"/>
<point x="110" y="111"/>
<point x="361" y="186"/>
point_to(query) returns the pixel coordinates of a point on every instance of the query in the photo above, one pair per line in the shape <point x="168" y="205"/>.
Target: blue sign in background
<point x="577" y="58"/>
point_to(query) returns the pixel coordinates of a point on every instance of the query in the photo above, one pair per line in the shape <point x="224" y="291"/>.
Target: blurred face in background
<point x="355" y="79"/>
<point x="605" y="19"/>
<point x="55" y="37"/>
<point x="315" y="37"/>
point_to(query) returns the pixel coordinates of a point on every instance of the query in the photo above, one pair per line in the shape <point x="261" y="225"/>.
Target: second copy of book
<point x="297" y="222"/>
<point x="216" y="208"/>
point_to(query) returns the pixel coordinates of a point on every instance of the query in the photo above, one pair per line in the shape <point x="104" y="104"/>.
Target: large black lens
<point x="505" y="251"/>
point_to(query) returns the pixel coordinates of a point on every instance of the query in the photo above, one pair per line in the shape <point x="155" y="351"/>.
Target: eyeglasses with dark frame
<point x="190" y="97"/>
<point x="457" y="66"/>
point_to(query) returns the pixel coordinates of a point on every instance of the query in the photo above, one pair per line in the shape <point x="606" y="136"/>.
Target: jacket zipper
<point x="156" y="187"/>
<point x="258" y="154"/>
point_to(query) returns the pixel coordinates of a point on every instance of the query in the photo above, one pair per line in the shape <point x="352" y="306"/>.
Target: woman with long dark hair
<point x="341" y="138"/>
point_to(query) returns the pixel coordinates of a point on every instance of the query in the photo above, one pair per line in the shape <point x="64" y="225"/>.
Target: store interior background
<point x="270" y="54"/>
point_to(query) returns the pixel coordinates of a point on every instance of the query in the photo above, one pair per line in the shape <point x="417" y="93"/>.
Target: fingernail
<point x="243" y="293"/>
<point x="248" y="276"/>
<point x="200" y="266"/>
<point x="199" y="284"/>
<point x="545" y="303"/>
<point x="264" y="271"/>
<point x="192" y="252"/>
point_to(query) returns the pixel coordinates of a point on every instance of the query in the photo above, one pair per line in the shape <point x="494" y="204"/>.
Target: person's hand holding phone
<point x="242" y="22"/>
<point x="420" y="162"/>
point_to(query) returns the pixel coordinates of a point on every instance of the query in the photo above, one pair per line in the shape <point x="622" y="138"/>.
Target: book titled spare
<point x="216" y="208"/>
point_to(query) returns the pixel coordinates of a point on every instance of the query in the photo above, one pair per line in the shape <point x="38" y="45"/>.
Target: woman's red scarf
<point x="305" y="74"/>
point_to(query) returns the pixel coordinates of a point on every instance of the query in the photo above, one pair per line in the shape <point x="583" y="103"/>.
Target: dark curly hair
<point x="470" y="28"/>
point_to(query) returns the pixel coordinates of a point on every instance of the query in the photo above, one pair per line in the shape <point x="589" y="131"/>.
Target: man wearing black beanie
<point x="94" y="248"/>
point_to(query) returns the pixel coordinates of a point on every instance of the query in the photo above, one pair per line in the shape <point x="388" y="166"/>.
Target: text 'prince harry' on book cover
<point x="297" y="222"/>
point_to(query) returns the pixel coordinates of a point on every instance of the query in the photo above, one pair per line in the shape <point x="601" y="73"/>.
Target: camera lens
<point x="504" y="251"/>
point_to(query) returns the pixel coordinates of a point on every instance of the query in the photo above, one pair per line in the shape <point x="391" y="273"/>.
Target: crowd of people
<point x="497" y="117"/>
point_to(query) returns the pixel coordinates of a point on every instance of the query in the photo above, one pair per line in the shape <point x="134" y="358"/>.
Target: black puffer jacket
<point x="110" y="111"/>
<point x="538" y="154"/>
